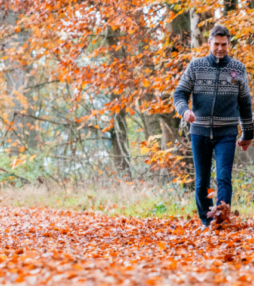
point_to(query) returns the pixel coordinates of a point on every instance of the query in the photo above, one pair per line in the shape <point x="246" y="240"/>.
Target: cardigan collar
<point x="222" y="62"/>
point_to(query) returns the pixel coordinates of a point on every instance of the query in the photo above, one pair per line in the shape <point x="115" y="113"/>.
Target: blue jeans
<point x="202" y="148"/>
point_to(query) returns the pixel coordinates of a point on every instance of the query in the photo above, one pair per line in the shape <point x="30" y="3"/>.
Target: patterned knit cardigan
<point x="220" y="95"/>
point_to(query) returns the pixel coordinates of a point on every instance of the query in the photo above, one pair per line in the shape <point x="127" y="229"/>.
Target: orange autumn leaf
<point x="22" y="149"/>
<point x="210" y="191"/>
<point x="162" y="245"/>
<point x="32" y="157"/>
<point x="146" y="83"/>
<point x="211" y="195"/>
<point x="16" y="162"/>
<point x="3" y="257"/>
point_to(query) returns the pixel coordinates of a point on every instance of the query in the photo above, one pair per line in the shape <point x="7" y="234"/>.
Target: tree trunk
<point x="119" y="132"/>
<point x="16" y="79"/>
<point x="120" y="144"/>
<point x="195" y="31"/>
<point x="152" y="122"/>
<point x="169" y="124"/>
<point x="180" y="25"/>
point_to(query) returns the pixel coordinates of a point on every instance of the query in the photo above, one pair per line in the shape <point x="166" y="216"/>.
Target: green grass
<point x="137" y="201"/>
<point x="133" y="201"/>
<point x="157" y="207"/>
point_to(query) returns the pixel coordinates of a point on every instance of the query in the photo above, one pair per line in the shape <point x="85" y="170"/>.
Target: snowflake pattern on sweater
<point x="220" y="97"/>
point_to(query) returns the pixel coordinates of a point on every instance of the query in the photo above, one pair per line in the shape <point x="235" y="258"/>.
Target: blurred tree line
<point x="85" y="84"/>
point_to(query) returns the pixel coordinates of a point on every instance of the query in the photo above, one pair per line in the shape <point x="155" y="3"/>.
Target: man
<point x="220" y="95"/>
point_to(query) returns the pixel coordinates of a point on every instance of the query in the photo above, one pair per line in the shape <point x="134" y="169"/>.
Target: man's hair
<point x="219" y="30"/>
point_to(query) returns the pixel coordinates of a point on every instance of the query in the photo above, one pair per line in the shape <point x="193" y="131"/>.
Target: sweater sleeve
<point x="245" y="108"/>
<point x="184" y="90"/>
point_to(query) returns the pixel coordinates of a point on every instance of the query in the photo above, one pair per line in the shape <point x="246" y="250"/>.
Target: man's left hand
<point x="244" y="144"/>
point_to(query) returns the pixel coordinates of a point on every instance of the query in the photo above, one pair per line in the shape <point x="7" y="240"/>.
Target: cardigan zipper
<point x="216" y="92"/>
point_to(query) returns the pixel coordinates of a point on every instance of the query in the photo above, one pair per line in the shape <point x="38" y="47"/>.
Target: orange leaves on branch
<point x="32" y="157"/>
<point x="16" y="162"/>
<point x="107" y="128"/>
<point x="157" y="106"/>
<point x="119" y="16"/>
<point x="22" y="149"/>
<point x="131" y="111"/>
<point x="124" y="63"/>
<point x="116" y="52"/>
<point x="17" y="29"/>
<point x="159" y="159"/>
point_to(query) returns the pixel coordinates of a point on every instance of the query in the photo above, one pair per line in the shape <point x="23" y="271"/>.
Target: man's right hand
<point x="189" y="116"/>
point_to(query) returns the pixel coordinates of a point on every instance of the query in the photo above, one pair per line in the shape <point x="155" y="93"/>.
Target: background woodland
<point x="87" y="86"/>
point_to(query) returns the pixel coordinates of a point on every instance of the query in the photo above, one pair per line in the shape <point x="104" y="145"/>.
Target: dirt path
<point x="48" y="247"/>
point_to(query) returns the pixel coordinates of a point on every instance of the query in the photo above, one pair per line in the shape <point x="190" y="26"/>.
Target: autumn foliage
<point x="86" y="99"/>
<point x="79" y="78"/>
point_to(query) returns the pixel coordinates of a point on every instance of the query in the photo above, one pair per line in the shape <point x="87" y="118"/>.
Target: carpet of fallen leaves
<point x="55" y="247"/>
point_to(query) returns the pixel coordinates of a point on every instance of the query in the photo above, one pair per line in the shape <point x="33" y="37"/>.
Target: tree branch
<point x="66" y="125"/>
<point x="12" y="174"/>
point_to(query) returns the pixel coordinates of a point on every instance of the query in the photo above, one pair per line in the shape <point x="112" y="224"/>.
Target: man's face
<point x="219" y="46"/>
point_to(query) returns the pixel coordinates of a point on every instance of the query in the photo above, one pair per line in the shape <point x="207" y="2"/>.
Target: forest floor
<point x="42" y="246"/>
